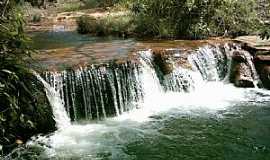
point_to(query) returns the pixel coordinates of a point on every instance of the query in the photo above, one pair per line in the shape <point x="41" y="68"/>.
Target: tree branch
<point x="5" y="8"/>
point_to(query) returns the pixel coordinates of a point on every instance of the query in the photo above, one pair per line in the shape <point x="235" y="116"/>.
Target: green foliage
<point x="99" y="3"/>
<point x="38" y="3"/>
<point x="194" y="18"/>
<point x="13" y="42"/>
<point x="235" y="18"/>
<point x="69" y="7"/>
<point x="87" y="25"/>
<point x="118" y="25"/>
<point x="19" y="114"/>
<point x="36" y="18"/>
<point x="265" y="31"/>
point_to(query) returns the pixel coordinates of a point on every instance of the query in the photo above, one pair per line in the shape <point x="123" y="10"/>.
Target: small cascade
<point x="97" y="92"/>
<point x="254" y="73"/>
<point x="151" y="84"/>
<point x="180" y="80"/>
<point x="60" y="116"/>
<point x="211" y="61"/>
<point x="171" y="76"/>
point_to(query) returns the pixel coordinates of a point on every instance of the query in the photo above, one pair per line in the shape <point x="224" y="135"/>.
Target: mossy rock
<point x="31" y="116"/>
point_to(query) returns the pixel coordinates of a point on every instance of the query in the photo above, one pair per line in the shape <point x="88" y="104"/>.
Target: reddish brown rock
<point x="239" y="57"/>
<point x="243" y="76"/>
<point x="262" y="59"/>
<point x="167" y="59"/>
<point x="162" y="61"/>
<point x="241" y="73"/>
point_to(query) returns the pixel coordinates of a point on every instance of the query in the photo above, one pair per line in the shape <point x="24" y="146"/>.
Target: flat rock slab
<point x="263" y="58"/>
<point x="255" y="42"/>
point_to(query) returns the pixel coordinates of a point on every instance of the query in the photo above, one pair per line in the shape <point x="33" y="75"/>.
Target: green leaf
<point x="22" y="118"/>
<point x="2" y="117"/>
<point x="31" y="124"/>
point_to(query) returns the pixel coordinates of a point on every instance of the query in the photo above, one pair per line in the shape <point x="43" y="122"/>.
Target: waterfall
<point x="180" y="80"/>
<point x="149" y="78"/>
<point x="254" y="73"/>
<point x="98" y="91"/>
<point x="106" y="90"/>
<point x="61" y="118"/>
<point x="211" y="61"/>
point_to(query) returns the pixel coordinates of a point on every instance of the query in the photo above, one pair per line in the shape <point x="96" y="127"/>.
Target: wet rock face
<point x="239" y="57"/>
<point x="265" y="76"/>
<point x="32" y="116"/>
<point x="241" y="73"/>
<point x="168" y="59"/>
<point x="262" y="63"/>
<point x="243" y="76"/>
<point x="162" y="60"/>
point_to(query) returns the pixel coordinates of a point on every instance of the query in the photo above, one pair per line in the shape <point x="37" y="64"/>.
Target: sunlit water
<point x="216" y="121"/>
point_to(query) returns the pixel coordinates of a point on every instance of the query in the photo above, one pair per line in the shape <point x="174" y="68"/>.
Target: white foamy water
<point x="108" y="136"/>
<point x="59" y="113"/>
<point x="86" y="141"/>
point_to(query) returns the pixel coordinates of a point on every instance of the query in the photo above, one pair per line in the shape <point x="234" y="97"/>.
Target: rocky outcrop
<point x="242" y="76"/>
<point x="262" y="63"/>
<point x="162" y="60"/>
<point x="242" y="73"/>
<point x="31" y="115"/>
<point x="168" y="59"/>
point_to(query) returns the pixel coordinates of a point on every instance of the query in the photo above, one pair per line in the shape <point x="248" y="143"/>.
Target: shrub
<point x="99" y="3"/>
<point x="194" y="18"/>
<point x="36" y="18"/>
<point x="71" y="6"/>
<point x="121" y="25"/>
<point x="265" y="31"/>
<point x="87" y="24"/>
<point x="234" y="18"/>
<point x="21" y="114"/>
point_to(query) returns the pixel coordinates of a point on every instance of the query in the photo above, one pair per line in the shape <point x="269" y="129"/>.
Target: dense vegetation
<point x="23" y="106"/>
<point x="190" y="19"/>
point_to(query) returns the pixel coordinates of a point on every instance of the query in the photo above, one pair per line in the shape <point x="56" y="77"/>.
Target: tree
<point x="21" y="112"/>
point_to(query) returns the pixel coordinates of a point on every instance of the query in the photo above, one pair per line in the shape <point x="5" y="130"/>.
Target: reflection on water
<point x="71" y="49"/>
<point x="56" y="40"/>
<point x="216" y="121"/>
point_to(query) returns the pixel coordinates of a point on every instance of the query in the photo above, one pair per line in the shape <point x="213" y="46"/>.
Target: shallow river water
<point x="215" y="121"/>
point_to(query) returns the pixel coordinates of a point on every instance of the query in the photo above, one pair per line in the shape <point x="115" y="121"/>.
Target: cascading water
<point x="61" y="118"/>
<point x="212" y="62"/>
<point x="102" y="91"/>
<point x="97" y="92"/>
<point x="253" y="70"/>
<point x="183" y="107"/>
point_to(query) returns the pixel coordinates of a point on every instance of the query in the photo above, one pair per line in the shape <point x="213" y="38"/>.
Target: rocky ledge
<point x="260" y="51"/>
